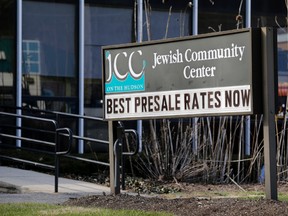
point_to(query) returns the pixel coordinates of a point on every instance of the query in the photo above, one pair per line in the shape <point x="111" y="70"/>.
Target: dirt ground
<point x="196" y="199"/>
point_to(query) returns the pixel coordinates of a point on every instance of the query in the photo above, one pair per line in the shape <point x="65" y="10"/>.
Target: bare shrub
<point x="208" y="150"/>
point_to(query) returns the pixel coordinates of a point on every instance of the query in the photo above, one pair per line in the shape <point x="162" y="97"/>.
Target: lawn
<point x="31" y="209"/>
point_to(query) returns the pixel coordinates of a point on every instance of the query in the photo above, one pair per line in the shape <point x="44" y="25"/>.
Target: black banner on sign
<point x="212" y="74"/>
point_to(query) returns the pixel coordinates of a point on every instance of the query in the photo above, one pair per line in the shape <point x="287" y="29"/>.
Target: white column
<point x="81" y="75"/>
<point x="139" y="40"/>
<point x="248" y="118"/>
<point x="248" y="14"/>
<point x="195" y="17"/>
<point x="18" y="74"/>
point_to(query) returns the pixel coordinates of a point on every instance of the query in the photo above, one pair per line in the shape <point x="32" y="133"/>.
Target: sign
<point x="213" y="74"/>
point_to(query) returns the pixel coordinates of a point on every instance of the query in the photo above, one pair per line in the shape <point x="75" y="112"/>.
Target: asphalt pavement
<point x="17" y="185"/>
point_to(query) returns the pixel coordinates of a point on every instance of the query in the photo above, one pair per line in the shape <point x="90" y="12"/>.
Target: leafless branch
<point x="278" y="24"/>
<point x="168" y="21"/>
<point x="239" y="17"/>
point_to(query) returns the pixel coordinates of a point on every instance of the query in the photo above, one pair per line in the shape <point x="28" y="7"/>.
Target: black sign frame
<point x="245" y="68"/>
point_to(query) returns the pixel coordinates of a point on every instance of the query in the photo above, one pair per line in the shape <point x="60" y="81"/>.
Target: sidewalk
<point x="18" y="185"/>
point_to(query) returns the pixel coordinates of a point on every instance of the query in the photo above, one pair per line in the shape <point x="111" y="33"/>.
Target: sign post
<point x="112" y="139"/>
<point x="269" y="95"/>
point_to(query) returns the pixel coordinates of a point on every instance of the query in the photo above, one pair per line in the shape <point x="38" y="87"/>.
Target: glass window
<point x="50" y="56"/>
<point x="224" y="15"/>
<point x="282" y="39"/>
<point x="168" y="20"/>
<point x="103" y="26"/>
<point x="215" y="16"/>
<point x="268" y="13"/>
<point x="7" y="52"/>
<point x="274" y="14"/>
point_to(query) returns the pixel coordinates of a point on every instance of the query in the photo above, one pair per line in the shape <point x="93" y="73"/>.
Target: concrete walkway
<point x="18" y="185"/>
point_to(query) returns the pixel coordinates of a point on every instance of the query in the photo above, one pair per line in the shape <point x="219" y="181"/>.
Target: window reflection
<point x="216" y="16"/>
<point x="167" y="20"/>
<point x="282" y="39"/>
<point x="103" y="26"/>
<point x="49" y="56"/>
<point x="7" y="53"/>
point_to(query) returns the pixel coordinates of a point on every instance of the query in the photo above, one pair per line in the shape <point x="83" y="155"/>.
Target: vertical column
<point x="195" y="32"/>
<point x="248" y="118"/>
<point x="139" y="20"/>
<point x="19" y="69"/>
<point x="139" y="40"/>
<point x="81" y="75"/>
<point x="195" y="17"/>
<point x="248" y="14"/>
<point x="269" y="85"/>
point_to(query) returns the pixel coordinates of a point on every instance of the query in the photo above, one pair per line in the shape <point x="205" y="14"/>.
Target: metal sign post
<point x="116" y="134"/>
<point x="112" y="139"/>
<point x="269" y="86"/>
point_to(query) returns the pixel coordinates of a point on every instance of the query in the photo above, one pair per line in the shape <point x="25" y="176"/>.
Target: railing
<point x="50" y="146"/>
<point x="120" y="153"/>
<point x="48" y="132"/>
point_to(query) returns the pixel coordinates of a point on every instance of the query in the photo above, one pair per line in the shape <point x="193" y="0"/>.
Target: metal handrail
<point x="29" y="117"/>
<point x="58" y="131"/>
<point x="54" y="118"/>
<point x="119" y="154"/>
<point x="57" y="114"/>
<point x="70" y="136"/>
